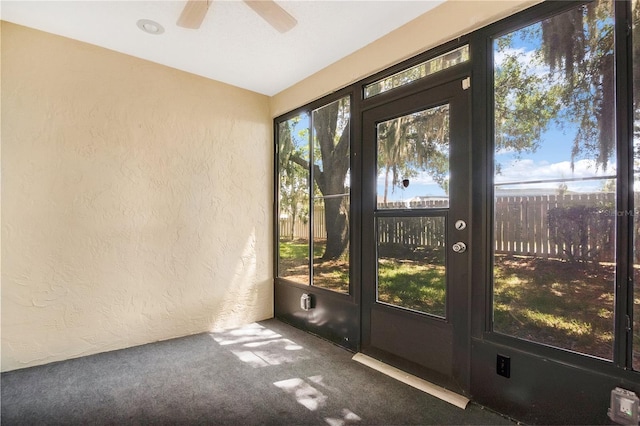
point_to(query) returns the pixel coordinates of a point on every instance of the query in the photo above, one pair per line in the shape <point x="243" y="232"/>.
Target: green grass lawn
<point x="294" y="261"/>
<point x="290" y="250"/>
<point x="411" y="280"/>
<point x="415" y="285"/>
<point x="559" y="303"/>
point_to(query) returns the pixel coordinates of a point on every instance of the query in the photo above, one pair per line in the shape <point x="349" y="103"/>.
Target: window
<point x="413" y="150"/>
<point x="413" y="156"/>
<point x="417" y="72"/>
<point x="314" y="197"/>
<point x="293" y="165"/>
<point x="555" y="181"/>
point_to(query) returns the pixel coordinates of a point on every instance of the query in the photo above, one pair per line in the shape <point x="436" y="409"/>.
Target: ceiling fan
<point x="195" y="10"/>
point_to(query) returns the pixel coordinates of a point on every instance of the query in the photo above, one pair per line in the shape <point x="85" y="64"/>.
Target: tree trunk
<point x="337" y="227"/>
<point x="294" y="213"/>
<point x="331" y="180"/>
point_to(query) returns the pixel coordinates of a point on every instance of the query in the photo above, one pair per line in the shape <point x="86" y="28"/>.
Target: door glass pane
<point x="332" y="185"/>
<point x="293" y="199"/>
<point x="555" y="181"/>
<point x="413" y="160"/>
<point x="636" y="185"/>
<point x="411" y="263"/>
<point x="417" y="72"/>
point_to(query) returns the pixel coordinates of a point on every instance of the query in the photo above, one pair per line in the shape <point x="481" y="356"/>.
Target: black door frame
<point x="449" y="356"/>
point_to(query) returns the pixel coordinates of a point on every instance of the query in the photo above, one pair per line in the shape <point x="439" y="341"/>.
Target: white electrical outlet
<point x="624" y="407"/>
<point x="305" y="302"/>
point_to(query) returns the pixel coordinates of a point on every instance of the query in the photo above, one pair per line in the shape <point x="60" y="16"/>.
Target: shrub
<point x="582" y="232"/>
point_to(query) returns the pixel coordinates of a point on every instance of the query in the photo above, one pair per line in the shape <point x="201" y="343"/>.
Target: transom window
<point x="422" y="70"/>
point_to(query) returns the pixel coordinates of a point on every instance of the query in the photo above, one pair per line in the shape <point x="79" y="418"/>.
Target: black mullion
<point x="623" y="330"/>
<point x="355" y="198"/>
<point x="311" y="196"/>
<point x="276" y="200"/>
<point x="483" y="177"/>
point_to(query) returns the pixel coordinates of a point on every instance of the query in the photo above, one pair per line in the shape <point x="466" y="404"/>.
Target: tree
<point x="581" y="43"/>
<point x="330" y="142"/>
<point x="413" y="143"/>
<point x="569" y="80"/>
<point x="524" y="101"/>
<point x="331" y="137"/>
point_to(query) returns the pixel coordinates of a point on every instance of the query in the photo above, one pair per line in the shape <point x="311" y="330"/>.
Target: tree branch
<point x="342" y="147"/>
<point x="299" y="161"/>
<point x="317" y="173"/>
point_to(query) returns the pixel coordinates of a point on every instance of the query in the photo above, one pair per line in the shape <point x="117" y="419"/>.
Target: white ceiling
<point x="234" y="44"/>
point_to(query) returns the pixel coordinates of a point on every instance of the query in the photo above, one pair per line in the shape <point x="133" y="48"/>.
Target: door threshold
<point x="411" y="380"/>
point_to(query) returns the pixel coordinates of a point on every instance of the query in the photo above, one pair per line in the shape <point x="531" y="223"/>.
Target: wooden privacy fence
<point x="411" y="232"/>
<point x="299" y="229"/>
<point x="521" y="226"/>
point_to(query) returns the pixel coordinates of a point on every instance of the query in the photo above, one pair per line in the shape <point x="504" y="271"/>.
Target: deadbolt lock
<point x="459" y="247"/>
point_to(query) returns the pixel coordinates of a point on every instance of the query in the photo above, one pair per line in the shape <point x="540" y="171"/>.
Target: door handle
<point x="459" y="247"/>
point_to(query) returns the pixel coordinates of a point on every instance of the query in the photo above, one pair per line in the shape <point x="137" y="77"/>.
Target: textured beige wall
<point x="136" y="201"/>
<point x="444" y="23"/>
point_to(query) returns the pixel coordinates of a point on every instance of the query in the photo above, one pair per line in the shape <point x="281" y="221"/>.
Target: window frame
<point x="308" y="109"/>
<point x="484" y="102"/>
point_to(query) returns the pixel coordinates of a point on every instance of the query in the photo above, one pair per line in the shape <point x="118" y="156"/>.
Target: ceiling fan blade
<point x="193" y="14"/>
<point x="269" y="10"/>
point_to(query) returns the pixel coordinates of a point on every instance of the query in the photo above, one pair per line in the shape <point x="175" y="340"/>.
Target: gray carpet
<point x="263" y="374"/>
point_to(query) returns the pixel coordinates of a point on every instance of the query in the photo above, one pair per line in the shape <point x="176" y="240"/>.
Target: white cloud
<point x="544" y="174"/>
<point x="525" y="56"/>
